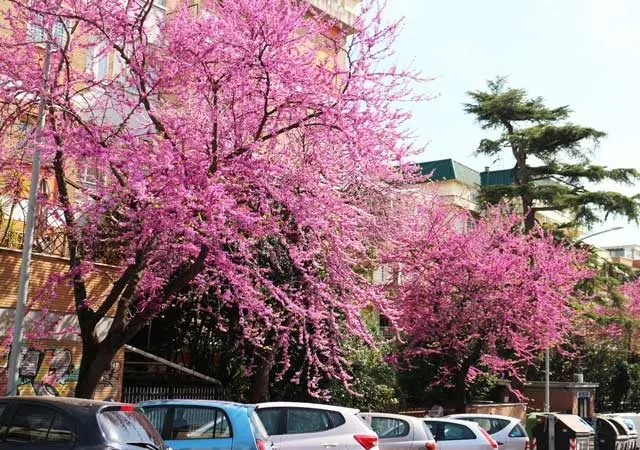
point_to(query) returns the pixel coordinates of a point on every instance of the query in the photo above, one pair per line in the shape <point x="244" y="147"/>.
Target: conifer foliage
<point x="552" y="157"/>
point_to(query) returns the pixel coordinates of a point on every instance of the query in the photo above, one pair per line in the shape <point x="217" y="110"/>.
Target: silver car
<point x="398" y="432"/>
<point x="507" y="431"/>
<point x="454" y="434"/>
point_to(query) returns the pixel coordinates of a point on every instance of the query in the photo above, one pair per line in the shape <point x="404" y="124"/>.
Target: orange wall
<point x="42" y="268"/>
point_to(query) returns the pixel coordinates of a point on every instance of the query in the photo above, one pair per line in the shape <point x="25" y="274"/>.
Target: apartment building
<point x="628" y="255"/>
<point x="459" y="184"/>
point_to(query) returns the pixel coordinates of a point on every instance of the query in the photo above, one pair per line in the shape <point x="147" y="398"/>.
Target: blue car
<point x="207" y="424"/>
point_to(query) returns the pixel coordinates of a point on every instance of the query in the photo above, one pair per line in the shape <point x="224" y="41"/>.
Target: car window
<point x="491" y="425"/>
<point x="3" y="420"/>
<point x="271" y="418"/>
<point x="199" y="422"/>
<point x="157" y="415"/>
<point x="124" y="425"/>
<point x="337" y="419"/>
<point x="307" y="420"/>
<point x="39" y="424"/>
<point x="431" y="427"/>
<point x="257" y="426"/>
<point x="427" y="429"/>
<point x="386" y="427"/>
<point x="518" y="432"/>
<point x="61" y="430"/>
<point x="456" y="432"/>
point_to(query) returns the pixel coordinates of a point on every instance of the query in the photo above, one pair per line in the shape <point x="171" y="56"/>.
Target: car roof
<point x="77" y="407"/>
<point x="450" y="420"/>
<point x="393" y="416"/>
<point x="343" y="409"/>
<point x="192" y="402"/>
<point x="484" y="416"/>
<point x="60" y="401"/>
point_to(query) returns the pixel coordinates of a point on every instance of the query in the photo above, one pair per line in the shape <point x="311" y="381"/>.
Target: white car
<point x="398" y="432"/>
<point x="507" y="431"/>
<point x="310" y="426"/>
<point x="454" y="434"/>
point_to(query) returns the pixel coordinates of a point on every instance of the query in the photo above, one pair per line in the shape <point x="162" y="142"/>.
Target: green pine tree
<point x="552" y="158"/>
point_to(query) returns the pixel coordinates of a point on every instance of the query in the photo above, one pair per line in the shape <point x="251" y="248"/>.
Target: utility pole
<point x="547" y="390"/>
<point x="23" y="286"/>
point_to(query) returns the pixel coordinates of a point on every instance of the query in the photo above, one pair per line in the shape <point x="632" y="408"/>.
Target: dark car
<point x="69" y="423"/>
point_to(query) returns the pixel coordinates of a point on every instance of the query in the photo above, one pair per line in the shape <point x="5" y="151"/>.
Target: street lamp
<point x="547" y="393"/>
<point x="27" y="241"/>
<point x="608" y="230"/>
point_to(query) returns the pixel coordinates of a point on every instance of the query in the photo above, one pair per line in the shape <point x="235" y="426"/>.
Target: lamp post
<point x="547" y="393"/>
<point x="608" y="230"/>
<point x="23" y="284"/>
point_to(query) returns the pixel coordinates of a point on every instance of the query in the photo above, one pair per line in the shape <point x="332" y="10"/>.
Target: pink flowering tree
<point x="631" y="290"/>
<point x="227" y="148"/>
<point x="620" y="322"/>
<point x="487" y="299"/>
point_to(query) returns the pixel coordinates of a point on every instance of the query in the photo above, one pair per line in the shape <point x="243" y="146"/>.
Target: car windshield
<point x="124" y="427"/>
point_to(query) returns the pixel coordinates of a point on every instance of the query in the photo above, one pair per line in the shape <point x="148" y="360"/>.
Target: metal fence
<point x="49" y="234"/>
<point x="135" y="394"/>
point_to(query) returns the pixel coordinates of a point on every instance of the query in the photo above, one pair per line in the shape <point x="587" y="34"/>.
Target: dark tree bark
<point x="96" y="359"/>
<point x="260" y="380"/>
<point x="460" y="389"/>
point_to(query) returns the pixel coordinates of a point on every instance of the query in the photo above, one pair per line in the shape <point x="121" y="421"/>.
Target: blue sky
<point x="582" y="53"/>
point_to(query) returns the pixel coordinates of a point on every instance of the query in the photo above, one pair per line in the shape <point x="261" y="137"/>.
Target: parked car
<point x="398" y="432"/>
<point x="507" y="431"/>
<point x="455" y="434"/>
<point x="207" y="424"/>
<point x="69" y="423"/>
<point x="309" y="426"/>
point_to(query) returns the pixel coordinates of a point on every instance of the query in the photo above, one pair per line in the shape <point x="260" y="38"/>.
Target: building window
<point x="38" y="35"/>
<point x="89" y="175"/>
<point x="44" y="188"/>
<point x="98" y="62"/>
<point x="583" y="407"/>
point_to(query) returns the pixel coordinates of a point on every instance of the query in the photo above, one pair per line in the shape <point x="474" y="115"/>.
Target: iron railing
<point x="135" y="394"/>
<point x="49" y="235"/>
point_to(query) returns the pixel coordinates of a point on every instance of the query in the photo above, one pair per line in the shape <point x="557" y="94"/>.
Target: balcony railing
<point x="341" y="10"/>
<point x="49" y="238"/>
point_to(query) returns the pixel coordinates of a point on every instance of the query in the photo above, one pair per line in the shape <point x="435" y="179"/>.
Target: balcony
<point x="342" y="10"/>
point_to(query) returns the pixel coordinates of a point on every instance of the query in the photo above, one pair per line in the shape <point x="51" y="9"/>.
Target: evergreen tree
<point x="552" y="158"/>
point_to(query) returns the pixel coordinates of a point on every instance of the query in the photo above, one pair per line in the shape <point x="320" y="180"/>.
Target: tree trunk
<point x="460" y="391"/>
<point x="260" y="381"/>
<point x="96" y="359"/>
<point x="529" y="218"/>
<point x="460" y="382"/>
